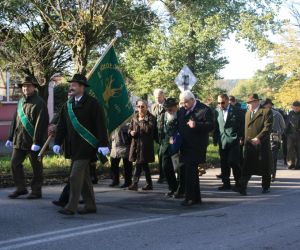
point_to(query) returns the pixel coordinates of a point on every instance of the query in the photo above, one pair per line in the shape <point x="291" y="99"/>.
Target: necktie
<point x="76" y="103"/>
<point x="252" y="115"/>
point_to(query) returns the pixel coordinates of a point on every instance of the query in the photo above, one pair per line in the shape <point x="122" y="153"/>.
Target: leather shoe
<point x="147" y="187"/>
<point x="34" y="196"/>
<point x="243" y="191"/>
<point x="188" y="203"/>
<point x="66" y="211"/>
<point x="224" y="187"/>
<point x="265" y="191"/>
<point x="178" y="195"/>
<point x="86" y="211"/>
<point x="291" y="167"/>
<point x="219" y="176"/>
<point x="170" y="194"/>
<point x="16" y="194"/>
<point x="59" y="203"/>
<point x="125" y="185"/>
<point x="160" y="181"/>
<point x="133" y="187"/>
<point x="114" y="184"/>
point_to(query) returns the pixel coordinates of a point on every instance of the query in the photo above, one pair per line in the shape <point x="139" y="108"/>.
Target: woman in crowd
<point x="142" y="130"/>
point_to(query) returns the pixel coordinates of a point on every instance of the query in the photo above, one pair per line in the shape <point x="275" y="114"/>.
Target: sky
<point x="242" y="63"/>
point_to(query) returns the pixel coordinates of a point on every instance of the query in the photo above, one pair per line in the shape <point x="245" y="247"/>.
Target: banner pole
<point x="117" y="36"/>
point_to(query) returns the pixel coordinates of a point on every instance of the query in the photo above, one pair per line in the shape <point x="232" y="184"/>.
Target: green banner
<point x="107" y="85"/>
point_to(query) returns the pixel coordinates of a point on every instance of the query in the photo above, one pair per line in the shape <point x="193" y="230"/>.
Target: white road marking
<point x="46" y="237"/>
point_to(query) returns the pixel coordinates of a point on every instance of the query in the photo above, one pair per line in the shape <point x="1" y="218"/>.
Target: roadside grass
<point x="55" y="163"/>
<point x="51" y="163"/>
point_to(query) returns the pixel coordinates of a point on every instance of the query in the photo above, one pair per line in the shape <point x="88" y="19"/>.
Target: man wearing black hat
<point x="257" y="152"/>
<point x="277" y="132"/>
<point x="293" y="137"/>
<point x="169" y="128"/>
<point x="84" y="120"/>
<point x="27" y="135"/>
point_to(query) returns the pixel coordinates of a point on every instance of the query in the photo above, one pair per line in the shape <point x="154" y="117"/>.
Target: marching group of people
<point x="249" y="142"/>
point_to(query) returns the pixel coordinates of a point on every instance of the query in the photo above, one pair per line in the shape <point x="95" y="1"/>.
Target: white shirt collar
<point x="77" y="99"/>
<point x="255" y="110"/>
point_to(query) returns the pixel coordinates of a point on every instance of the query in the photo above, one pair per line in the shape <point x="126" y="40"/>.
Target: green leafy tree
<point x="84" y="26"/>
<point x="193" y="34"/>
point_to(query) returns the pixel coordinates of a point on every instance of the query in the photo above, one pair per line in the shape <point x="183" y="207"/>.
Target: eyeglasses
<point x="221" y="102"/>
<point x="140" y="106"/>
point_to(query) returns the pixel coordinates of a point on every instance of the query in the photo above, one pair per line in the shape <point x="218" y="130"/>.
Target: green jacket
<point x="160" y="117"/>
<point x="232" y="131"/>
<point x="37" y="113"/>
<point x="170" y="128"/>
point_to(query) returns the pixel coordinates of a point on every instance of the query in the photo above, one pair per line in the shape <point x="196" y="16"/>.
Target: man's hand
<point x="103" y="150"/>
<point x="255" y="141"/>
<point x="35" y="148"/>
<point x="192" y="124"/>
<point x="171" y="140"/>
<point x="51" y="130"/>
<point x="9" y="144"/>
<point x="132" y="133"/>
<point x="241" y="142"/>
<point x="56" y="149"/>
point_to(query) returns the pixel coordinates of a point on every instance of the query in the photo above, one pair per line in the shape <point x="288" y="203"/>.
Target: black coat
<point x="37" y="113"/>
<point x="195" y="140"/>
<point x="92" y="117"/>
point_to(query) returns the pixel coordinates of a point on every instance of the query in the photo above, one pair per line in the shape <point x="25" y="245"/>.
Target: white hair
<point x="187" y="95"/>
<point x="158" y="92"/>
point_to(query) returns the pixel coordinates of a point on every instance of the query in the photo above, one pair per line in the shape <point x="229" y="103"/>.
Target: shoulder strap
<point x="24" y="119"/>
<point x="80" y="129"/>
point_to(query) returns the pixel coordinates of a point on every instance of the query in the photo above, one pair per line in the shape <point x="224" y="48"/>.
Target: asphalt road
<point x="149" y="220"/>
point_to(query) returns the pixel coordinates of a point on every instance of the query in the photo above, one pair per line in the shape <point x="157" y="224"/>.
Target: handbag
<point x="176" y="162"/>
<point x="177" y="142"/>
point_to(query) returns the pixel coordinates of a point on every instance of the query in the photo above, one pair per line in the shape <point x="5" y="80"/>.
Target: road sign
<point x="185" y="80"/>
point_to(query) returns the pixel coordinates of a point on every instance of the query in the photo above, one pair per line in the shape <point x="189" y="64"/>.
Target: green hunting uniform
<point x="36" y="113"/>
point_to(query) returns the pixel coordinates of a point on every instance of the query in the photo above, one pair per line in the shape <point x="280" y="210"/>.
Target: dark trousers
<point x="227" y="162"/>
<point x="181" y="179"/>
<point x="192" y="184"/>
<point x="265" y="183"/>
<point x="139" y="167"/>
<point x="275" y="146"/>
<point x="293" y="150"/>
<point x="65" y="194"/>
<point x="115" y="170"/>
<point x="284" y="148"/>
<point x="17" y="159"/>
<point x="160" y="164"/>
<point x="81" y="184"/>
<point x="169" y="171"/>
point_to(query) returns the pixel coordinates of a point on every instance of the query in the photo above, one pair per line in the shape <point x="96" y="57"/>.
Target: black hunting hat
<point x="296" y="104"/>
<point x="28" y="81"/>
<point x="253" y="98"/>
<point x="79" y="78"/>
<point x="170" y="102"/>
<point x="267" y="101"/>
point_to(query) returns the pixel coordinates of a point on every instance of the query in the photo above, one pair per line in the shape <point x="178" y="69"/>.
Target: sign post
<point x="185" y="80"/>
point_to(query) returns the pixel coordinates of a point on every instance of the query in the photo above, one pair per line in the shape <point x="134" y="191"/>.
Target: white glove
<point x="9" y="144"/>
<point x="35" y="148"/>
<point x="105" y="151"/>
<point x="56" y="149"/>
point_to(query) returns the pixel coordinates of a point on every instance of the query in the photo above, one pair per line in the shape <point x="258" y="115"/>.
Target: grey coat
<point x="120" y="142"/>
